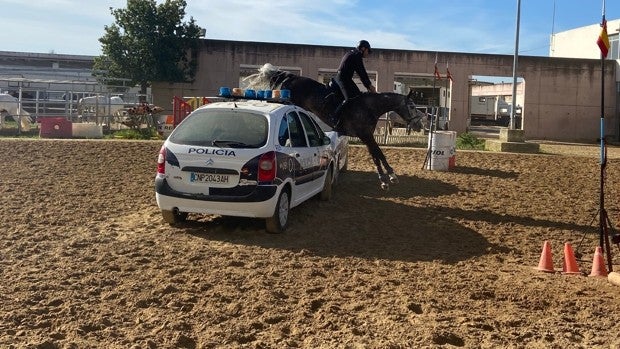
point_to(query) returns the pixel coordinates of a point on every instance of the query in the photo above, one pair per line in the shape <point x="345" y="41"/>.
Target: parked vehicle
<point x="438" y="123"/>
<point x="491" y="109"/>
<point x="244" y="158"/>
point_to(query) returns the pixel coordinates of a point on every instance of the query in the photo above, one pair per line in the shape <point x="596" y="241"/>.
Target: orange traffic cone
<point x="598" y="263"/>
<point x="570" y="262"/>
<point x="546" y="259"/>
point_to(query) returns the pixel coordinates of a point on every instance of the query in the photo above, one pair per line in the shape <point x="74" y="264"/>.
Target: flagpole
<point x="514" y="70"/>
<point x="604" y="222"/>
<point x="445" y="100"/>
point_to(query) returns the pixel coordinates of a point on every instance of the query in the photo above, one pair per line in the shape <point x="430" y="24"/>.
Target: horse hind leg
<point x="25" y="121"/>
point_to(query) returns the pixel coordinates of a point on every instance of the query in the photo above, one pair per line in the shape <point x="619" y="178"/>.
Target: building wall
<point x="580" y="42"/>
<point x="15" y="65"/>
<point x="561" y="100"/>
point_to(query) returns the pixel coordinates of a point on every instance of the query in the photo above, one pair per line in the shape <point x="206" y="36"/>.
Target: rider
<point x="352" y="62"/>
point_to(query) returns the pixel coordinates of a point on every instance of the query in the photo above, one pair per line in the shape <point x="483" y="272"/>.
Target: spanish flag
<point x="437" y="75"/>
<point x="603" y="40"/>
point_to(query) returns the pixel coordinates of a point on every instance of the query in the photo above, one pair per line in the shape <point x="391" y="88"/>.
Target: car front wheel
<point x="279" y="221"/>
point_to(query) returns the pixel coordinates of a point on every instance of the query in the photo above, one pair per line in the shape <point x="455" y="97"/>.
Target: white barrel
<point x="165" y="124"/>
<point x="442" y="149"/>
<point x="87" y="130"/>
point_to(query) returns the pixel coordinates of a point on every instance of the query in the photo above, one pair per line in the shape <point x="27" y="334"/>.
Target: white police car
<point x="249" y="158"/>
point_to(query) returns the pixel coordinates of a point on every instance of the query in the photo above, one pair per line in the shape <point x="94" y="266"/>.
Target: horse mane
<point x="262" y="79"/>
<point x="268" y="77"/>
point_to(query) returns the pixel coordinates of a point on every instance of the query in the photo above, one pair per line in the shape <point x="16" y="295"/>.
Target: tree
<point x="149" y="42"/>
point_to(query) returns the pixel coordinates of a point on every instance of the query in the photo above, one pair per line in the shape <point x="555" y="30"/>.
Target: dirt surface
<point x="443" y="259"/>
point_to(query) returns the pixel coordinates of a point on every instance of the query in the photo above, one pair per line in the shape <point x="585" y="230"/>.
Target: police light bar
<point x="265" y="95"/>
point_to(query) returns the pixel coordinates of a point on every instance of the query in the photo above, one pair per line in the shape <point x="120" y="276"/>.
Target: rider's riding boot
<point x="335" y="118"/>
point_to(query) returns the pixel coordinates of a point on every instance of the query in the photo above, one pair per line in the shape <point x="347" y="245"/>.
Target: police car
<point x="248" y="158"/>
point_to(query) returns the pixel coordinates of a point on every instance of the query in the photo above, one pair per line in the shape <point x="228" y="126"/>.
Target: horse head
<point x="414" y="117"/>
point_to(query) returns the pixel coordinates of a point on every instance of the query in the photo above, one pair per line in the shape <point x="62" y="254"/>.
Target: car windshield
<point x="222" y="128"/>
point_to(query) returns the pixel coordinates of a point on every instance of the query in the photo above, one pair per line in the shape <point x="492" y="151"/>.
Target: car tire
<point x="504" y="121"/>
<point x="328" y="185"/>
<point x="277" y="223"/>
<point x="174" y="217"/>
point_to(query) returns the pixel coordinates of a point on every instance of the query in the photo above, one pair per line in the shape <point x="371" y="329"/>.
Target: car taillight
<point x="267" y="167"/>
<point x="161" y="161"/>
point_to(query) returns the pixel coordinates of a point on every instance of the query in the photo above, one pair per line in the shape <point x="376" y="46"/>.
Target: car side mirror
<point x="326" y="140"/>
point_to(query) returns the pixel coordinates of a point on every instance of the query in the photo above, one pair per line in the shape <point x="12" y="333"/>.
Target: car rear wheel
<point x="326" y="193"/>
<point x="279" y="221"/>
<point x="173" y="217"/>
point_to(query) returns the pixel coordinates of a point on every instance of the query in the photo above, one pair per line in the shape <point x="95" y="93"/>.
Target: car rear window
<point x="223" y="128"/>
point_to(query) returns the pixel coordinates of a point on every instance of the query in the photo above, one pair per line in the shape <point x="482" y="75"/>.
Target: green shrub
<point x="469" y="141"/>
<point x="145" y="133"/>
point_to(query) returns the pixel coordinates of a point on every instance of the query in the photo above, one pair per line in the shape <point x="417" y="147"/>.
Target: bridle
<point x="415" y="116"/>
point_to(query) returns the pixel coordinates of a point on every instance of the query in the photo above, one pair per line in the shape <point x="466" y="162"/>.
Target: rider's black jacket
<point x="352" y="62"/>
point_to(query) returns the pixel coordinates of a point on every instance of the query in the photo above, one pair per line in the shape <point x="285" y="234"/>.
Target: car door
<point x="294" y="142"/>
<point x="316" y="142"/>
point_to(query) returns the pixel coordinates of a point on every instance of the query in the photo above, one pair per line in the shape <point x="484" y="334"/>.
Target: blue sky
<point x="477" y="26"/>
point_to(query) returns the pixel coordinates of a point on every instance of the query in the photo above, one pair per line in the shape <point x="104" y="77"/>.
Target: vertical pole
<point x="19" y="113"/>
<point x="445" y="100"/>
<point x="430" y="127"/>
<point x="514" y="69"/>
<point x="602" y="222"/>
<point x="603" y="160"/>
<point x="429" y="156"/>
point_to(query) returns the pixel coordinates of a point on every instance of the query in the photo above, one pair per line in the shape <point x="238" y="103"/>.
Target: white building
<point x="581" y="42"/>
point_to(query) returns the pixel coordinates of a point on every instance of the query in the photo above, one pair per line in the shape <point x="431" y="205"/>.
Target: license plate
<point x="209" y="178"/>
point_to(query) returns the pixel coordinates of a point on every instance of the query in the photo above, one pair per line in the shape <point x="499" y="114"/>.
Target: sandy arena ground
<point x="442" y="260"/>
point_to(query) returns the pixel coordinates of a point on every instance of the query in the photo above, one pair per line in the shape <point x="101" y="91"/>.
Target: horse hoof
<point x="385" y="186"/>
<point x="393" y="179"/>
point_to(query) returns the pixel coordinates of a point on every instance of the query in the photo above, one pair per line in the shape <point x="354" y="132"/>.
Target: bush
<point x="469" y="141"/>
<point x="145" y="133"/>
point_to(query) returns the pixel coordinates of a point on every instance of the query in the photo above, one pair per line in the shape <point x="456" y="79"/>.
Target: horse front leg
<point x="388" y="169"/>
<point x="379" y="159"/>
<point x="383" y="177"/>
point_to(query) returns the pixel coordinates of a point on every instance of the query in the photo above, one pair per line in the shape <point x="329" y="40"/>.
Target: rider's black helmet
<point x="364" y="43"/>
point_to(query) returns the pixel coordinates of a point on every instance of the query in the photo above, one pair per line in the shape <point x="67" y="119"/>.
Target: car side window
<point x="296" y="131"/>
<point x="283" y="137"/>
<point x="315" y="138"/>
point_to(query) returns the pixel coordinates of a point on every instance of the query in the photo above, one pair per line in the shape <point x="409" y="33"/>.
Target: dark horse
<point x="358" y="116"/>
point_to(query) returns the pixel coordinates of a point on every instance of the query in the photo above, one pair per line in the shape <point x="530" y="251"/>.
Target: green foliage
<point x="149" y="42"/>
<point x="145" y="133"/>
<point x="469" y="141"/>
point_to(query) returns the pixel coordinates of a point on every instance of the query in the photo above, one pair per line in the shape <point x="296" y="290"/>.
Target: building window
<point x="614" y="50"/>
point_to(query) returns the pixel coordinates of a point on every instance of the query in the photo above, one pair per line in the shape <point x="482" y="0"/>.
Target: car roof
<point x="251" y="105"/>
